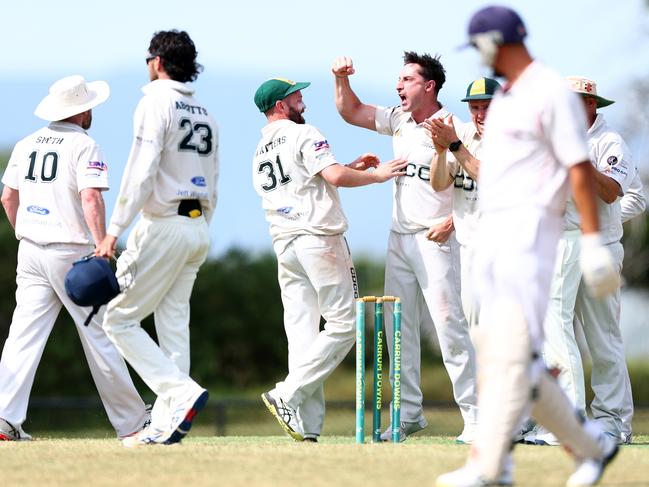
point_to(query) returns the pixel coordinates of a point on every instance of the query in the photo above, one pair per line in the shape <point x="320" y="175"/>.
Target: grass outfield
<point x="278" y="461"/>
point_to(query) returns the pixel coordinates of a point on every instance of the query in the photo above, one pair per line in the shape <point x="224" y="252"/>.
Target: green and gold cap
<point x="274" y="90"/>
<point x="481" y="89"/>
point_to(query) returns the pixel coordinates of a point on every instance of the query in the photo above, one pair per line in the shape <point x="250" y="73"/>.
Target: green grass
<point x="278" y="461"/>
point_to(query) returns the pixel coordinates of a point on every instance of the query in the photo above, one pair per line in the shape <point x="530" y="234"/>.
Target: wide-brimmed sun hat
<point x="588" y="87"/>
<point x="71" y="95"/>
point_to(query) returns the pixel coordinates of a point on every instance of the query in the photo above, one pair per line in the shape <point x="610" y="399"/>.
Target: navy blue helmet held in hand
<point x="91" y="282"/>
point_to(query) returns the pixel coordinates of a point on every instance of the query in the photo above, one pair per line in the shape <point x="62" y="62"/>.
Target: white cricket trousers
<point x="426" y="276"/>
<point x="159" y="265"/>
<point x="612" y="404"/>
<point x="317" y="278"/>
<point x="40" y="276"/>
<point x="470" y="303"/>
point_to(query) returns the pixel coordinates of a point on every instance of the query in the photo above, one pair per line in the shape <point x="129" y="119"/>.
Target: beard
<point x="87" y="121"/>
<point x="295" y="116"/>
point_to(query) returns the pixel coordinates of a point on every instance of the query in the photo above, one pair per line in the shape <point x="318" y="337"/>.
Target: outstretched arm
<point x="348" y="104"/>
<point x="355" y="173"/>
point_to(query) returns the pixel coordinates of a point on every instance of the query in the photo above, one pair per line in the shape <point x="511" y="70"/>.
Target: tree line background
<point x="237" y="334"/>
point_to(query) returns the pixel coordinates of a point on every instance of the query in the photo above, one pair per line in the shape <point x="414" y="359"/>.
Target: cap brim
<point x="300" y="85"/>
<point x="477" y="97"/>
<point x="603" y="102"/>
<point x="50" y="110"/>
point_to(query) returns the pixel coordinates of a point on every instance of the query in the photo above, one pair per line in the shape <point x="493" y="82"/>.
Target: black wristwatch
<point x="453" y="146"/>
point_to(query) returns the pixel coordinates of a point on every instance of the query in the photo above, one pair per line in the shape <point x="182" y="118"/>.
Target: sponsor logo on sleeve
<point x="288" y="213"/>
<point x="39" y="210"/>
<point x="97" y="165"/>
<point x="320" y="145"/>
<point x="199" y="181"/>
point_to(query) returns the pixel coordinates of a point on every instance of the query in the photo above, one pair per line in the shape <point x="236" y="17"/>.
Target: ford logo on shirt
<point x="285" y="210"/>
<point x="38" y="210"/>
<point x="199" y="181"/>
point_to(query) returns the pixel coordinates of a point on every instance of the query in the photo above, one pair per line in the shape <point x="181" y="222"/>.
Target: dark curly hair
<point x="431" y="67"/>
<point x="177" y="53"/>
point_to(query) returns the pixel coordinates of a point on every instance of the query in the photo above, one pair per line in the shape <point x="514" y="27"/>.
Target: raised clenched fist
<point x="343" y="67"/>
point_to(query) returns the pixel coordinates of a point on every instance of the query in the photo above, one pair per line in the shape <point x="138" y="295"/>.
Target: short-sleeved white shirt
<point x="535" y="130"/>
<point x="610" y="156"/>
<point x="465" y="188"/>
<point x="49" y="168"/>
<point x="286" y="169"/>
<point x="174" y="156"/>
<point x="415" y="205"/>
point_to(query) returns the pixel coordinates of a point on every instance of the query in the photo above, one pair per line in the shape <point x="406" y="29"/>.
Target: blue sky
<point x="243" y="43"/>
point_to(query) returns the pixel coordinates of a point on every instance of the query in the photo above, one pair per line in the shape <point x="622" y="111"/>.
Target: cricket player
<point x="456" y="162"/>
<point x="297" y="176"/>
<point x="422" y="264"/>
<point x="599" y="317"/>
<point x="53" y="199"/>
<point x="170" y="180"/>
<point x="534" y="151"/>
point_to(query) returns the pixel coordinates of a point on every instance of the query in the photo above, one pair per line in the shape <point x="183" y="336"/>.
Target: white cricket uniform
<point x="424" y="274"/>
<point x="466" y="216"/>
<point x="534" y="132"/>
<point x="315" y="270"/>
<point x="174" y="157"/>
<point x="599" y="317"/>
<point x="49" y="169"/>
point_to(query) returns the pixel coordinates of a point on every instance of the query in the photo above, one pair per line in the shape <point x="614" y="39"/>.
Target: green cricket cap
<point x="274" y="90"/>
<point x="481" y="89"/>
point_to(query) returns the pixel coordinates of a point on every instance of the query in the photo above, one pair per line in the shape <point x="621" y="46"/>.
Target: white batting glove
<point x="597" y="267"/>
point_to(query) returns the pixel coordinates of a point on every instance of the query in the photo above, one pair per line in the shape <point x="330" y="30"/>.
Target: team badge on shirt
<point x="612" y="161"/>
<point x="321" y="144"/>
<point x="98" y="165"/>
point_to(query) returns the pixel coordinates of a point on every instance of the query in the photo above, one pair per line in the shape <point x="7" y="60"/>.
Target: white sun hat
<point x="588" y="87"/>
<point x="71" y="95"/>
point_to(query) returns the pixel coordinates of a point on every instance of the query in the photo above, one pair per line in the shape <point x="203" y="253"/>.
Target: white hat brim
<point x="51" y="110"/>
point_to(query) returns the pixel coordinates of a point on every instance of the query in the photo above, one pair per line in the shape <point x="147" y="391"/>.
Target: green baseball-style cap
<point x="276" y="89"/>
<point x="481" y="89"/>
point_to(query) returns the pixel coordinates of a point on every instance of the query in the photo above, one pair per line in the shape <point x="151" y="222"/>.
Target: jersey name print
<point x="285" y="173"/>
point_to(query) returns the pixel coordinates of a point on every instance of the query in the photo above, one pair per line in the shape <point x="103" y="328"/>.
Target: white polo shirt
<point x="610" y="156"/>
<point x="49" y="168"/>
<point x="296" y="199"/>
<point x="465" y="188"/>
<point x="535" y="130"/>
<point x="415" y="205"/>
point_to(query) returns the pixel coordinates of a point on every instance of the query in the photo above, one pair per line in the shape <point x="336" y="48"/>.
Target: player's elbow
<point x="438" y="185"/>
<point x="91" y="197"/>
<point x="608" y="197"/>
<point x="9" y="198"/>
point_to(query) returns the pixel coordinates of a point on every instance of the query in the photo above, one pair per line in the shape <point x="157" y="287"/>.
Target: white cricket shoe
<point x="407" y="429"/>
<point x="145" y="424"/>
<point x="183" y="413"/>
<point x="146" y="437"/>
<point x="285" y="415"/>
<point x="589" y="471"/>
<point x="545" y="438"/>
<point x="467" y="437"/>
<point x="9" y="432"/>
<point x="468" y="476"/>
